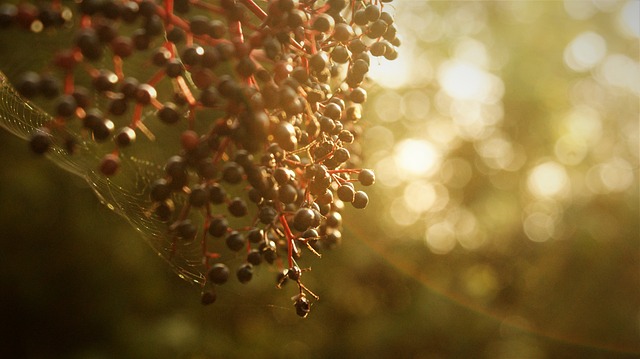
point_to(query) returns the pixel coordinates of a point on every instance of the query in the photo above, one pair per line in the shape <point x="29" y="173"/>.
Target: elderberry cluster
<point x="269" y="98"/>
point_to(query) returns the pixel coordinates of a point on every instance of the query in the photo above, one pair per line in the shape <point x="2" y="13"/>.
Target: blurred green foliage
<point x="553" y="271"/>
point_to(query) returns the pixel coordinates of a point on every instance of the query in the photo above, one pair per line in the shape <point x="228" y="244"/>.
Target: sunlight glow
<point x="465" y="81"/>
<point x="548" y="179"/>
<point x="392" y="74"/>
<point x="585" y="51"/>
<point x="416" y="157"/>
<point x="621" y="71"/>
<point x="420" y="196"/>
<point x="629" y="18"/>
<point x="440" y="238"/>
<point x="539" y="227"/>
<point x="615" y="175"/>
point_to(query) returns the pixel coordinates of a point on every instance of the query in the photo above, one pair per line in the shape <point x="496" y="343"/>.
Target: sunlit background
<point x="504" y="222"/>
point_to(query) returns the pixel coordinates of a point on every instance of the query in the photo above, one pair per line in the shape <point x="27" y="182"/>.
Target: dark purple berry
<point x="366" y="177"/>
<point x="218" y="273"/>
<point x="245" y="273"/>
<point x="237" y="207"/>
<point x="218" y="227"/>
<point x="208" y="297"/>
<point x="235" y="241"/>
<point x="40" y="141"/>
<point x="360" y="200"/>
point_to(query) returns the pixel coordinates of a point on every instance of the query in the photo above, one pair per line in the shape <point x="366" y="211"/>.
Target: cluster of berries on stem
<point x="266" y="97"/>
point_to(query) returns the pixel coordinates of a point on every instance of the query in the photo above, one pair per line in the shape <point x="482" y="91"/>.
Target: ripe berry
<point x="303" y="219"/>
<point x="208" y="297"/>
<point x="186" y="230"/>
<point x="269" y="253"/>
<point x="360" y="200"/>
<point x="169" y="113"/>
<point x="341" y="155"/>
<point x="66" y="106"/>
<point x="319" y="61"/>
<point x="125" y="137"/>
<point x="360" y="18"/>
<point x="82" y="97"/>
<point x="128" y="87"/>
<point x="105" y="81"/>
<point x="334" y="220"/>
<point x="372" y="12"/>
<point x="153" y="25"/>
<point x="232" y="173"/>
<point x="129" y="11"/>
<point x="176" y="166"/>
<point x="358" y="95"/>
<point x="245" y="273"/>
<point x="89" y="43"/>
<point x="255" y="235"/>
<point x="237" y="207"/>
<point x="122" y="46"/>
<point x="191" y="55"/>
<point x="235" y="241"/>
<point x="366" y="177"/>
<point x="294" y="273"/>
<point x="102" y="129"/>
<point x="174" y="68"/>
<point x="323" y="23"/>
<point x="254" y="257"/>
<point x="217" y="194"/>
<point x="218" y="273"/>
<point x="218" y="226"/>
<point x="386" y="17"/>
<point x="161" y="56"/>
<point x="110" y="164"/>
<point x="160" y="190"/>
<point x="118" y="105"/>
<point x="40" y="141"/>
<point x="28" y="84"/>
<point x="287" y="194"/>
<point x="377" y="29"/>
<point x="199" y="25"/>
<point x="199" y="196"/>
<point x="267" y="214"/>
<point x="346" y="136"/>
<point x="141" y="40"/>
<point x="379" y="48"/>
<point x="340" y="54"/>
<point x="302" y="305"/>
<point x="164" y="211"/>
<point x="217" y="29"/>
<point x="144" y="93"/>
<point x="343" y="32"/>
<point x="176" y="35"/>
<point x="346" y="192"/>
<point x="333" y="111"/>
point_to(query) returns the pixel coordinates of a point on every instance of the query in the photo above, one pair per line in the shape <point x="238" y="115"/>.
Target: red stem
<point x="137" y="115"/>
<point x="168" y="8"/>
<point x="207" y="6"/>
<point x="289" y="235"/>
<point x="185" y="91"/>
<point x="221" y="149"/>
<point x="117" y="67"/>
<point x="255" y="9"/>
<point x="156" y="78"/>
<point x="68" y="82"/>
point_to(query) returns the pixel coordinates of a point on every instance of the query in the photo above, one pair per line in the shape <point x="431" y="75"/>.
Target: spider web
<point x="127" y="193"/>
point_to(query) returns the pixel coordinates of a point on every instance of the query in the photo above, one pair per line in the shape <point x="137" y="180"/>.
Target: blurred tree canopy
<point x="504" y="222"/>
